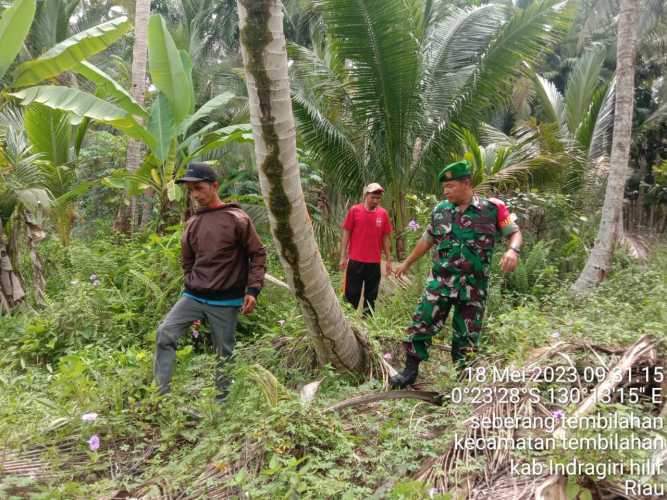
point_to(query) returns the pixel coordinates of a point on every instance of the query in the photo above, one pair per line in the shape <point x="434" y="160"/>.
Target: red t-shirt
<point x="367" y="227"/>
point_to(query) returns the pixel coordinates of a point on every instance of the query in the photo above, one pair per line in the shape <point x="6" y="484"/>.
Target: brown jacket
<point x="222" y="255"/>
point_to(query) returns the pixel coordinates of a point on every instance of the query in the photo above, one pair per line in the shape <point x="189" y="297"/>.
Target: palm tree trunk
<point x="128" y="215"/>
<point x="611" y="224"/>
<point x="265" y="61"/>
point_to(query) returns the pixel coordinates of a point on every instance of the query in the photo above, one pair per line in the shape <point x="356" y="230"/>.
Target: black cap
<point x="198" y="172"/>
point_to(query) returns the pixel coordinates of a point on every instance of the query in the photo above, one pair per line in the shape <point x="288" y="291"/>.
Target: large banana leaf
<point x="83" y="104"/>
<point x="161" y="125"/>
<point x="220" y="138"/>
<point x="186" y="60"/>
<point x="14" y="26"/>
<point x="192" y="141"/>
<point x="52" y="24"/>
<point x="203" y="112"/>
<point x="128" y="181"/>
<point x="49" y="131"/>
<point x="166" y="68"/>
<point x="107" y="87"/>
<point x="69" y="53"/>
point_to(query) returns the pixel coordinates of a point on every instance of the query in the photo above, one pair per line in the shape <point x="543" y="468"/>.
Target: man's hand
<point x="509" y="261"/>
<point x="342" y="265"/>
<point x="387" y="269"/>
<point x="401" y="270"/>
<point x="249" y="303"/>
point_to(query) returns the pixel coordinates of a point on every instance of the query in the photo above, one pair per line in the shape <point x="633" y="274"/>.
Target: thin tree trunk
<point x="35" y="234"/>
<point x="11" y="290"/>
<point x="265" y="61"/>
<point x="127" y="217"/>
<point x="599" y="261"/>
<point x="640" y="221"/>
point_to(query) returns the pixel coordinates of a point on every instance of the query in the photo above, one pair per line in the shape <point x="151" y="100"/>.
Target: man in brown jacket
<point x="224" y="263"/>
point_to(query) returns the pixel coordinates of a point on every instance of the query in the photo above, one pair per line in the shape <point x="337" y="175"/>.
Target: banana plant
<point x="24" y="199"/>
<point x="15" y="24"/>
<point x="169" y="131"/>
<point x="23" y="206"/>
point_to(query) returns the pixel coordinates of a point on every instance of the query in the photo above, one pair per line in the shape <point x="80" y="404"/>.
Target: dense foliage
<point x="382" y="91"/>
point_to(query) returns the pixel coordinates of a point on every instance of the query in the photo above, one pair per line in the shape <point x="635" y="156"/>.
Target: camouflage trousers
<point x="430" y="317"/>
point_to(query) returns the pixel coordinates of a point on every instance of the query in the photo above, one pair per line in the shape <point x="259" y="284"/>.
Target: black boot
<point x="409" y="374"/>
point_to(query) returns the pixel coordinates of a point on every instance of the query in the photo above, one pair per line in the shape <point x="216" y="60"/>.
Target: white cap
<point x="372" y="188"/>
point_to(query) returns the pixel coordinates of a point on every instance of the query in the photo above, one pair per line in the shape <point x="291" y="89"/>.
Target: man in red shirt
<point x="366" y="233"/>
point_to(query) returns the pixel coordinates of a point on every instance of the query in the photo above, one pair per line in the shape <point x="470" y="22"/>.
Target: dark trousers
<point x="222" y="322"/>
<point x="366" y="275"/>
<point x="430" y="317"/>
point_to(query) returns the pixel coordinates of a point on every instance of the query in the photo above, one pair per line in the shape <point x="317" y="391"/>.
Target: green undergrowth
<point x="89" y="349"/>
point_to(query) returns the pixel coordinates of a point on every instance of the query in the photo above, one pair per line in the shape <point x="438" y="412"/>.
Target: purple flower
<point x="413" y="225"/>
<point x="93" y="278"/>
<point x="195" y="333"/>
<point x="89" y="417"/>
<point x="558" y="415"/>
<point x="387" y="356"/>
<point x="96" y="283"/>
<point x="94" y="442"/>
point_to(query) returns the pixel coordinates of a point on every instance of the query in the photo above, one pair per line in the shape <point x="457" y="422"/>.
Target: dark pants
<point x="222" y="322"/>
<point x="429" y="318"/>
<point x="366" y="275"/>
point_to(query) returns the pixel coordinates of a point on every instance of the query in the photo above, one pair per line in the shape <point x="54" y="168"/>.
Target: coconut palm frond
<point x="451" y="51"/>
<point x="584" y="132"/>
<point x="582" y="83"/>
<point x="489" y="134"/>
<point x="328" y="143"/>
<point x="551" y="101"/>
<point x="382" y="54"/>
<point x="523" y="38"/>
<point x="600" y="141"/>
<point x="655" y="119"/>
<point x="320" y="78"/>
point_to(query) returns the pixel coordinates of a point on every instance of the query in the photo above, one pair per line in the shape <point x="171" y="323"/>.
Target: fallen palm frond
<point x="45" y="464"/>
<point x="36" y="464"/>
<point x="215" y="482"/>
<point x="641" y="349"/>
<point x="454" y="470"/>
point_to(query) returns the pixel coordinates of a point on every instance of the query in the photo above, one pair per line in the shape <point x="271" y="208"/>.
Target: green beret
<point x="457" y="170"/>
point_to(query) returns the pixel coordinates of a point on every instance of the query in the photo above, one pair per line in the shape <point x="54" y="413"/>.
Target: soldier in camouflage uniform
<point x="463" y="232"/>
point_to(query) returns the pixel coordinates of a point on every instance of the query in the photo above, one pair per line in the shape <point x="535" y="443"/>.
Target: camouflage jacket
<point x="463" y="246"/>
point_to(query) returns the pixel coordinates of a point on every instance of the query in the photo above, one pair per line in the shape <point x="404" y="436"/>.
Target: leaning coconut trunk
<point x="610" y="231"/>
<point x="265" y="60"/>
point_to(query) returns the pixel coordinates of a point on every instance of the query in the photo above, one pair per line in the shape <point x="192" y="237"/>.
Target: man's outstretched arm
<point x="422" y="247"/>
